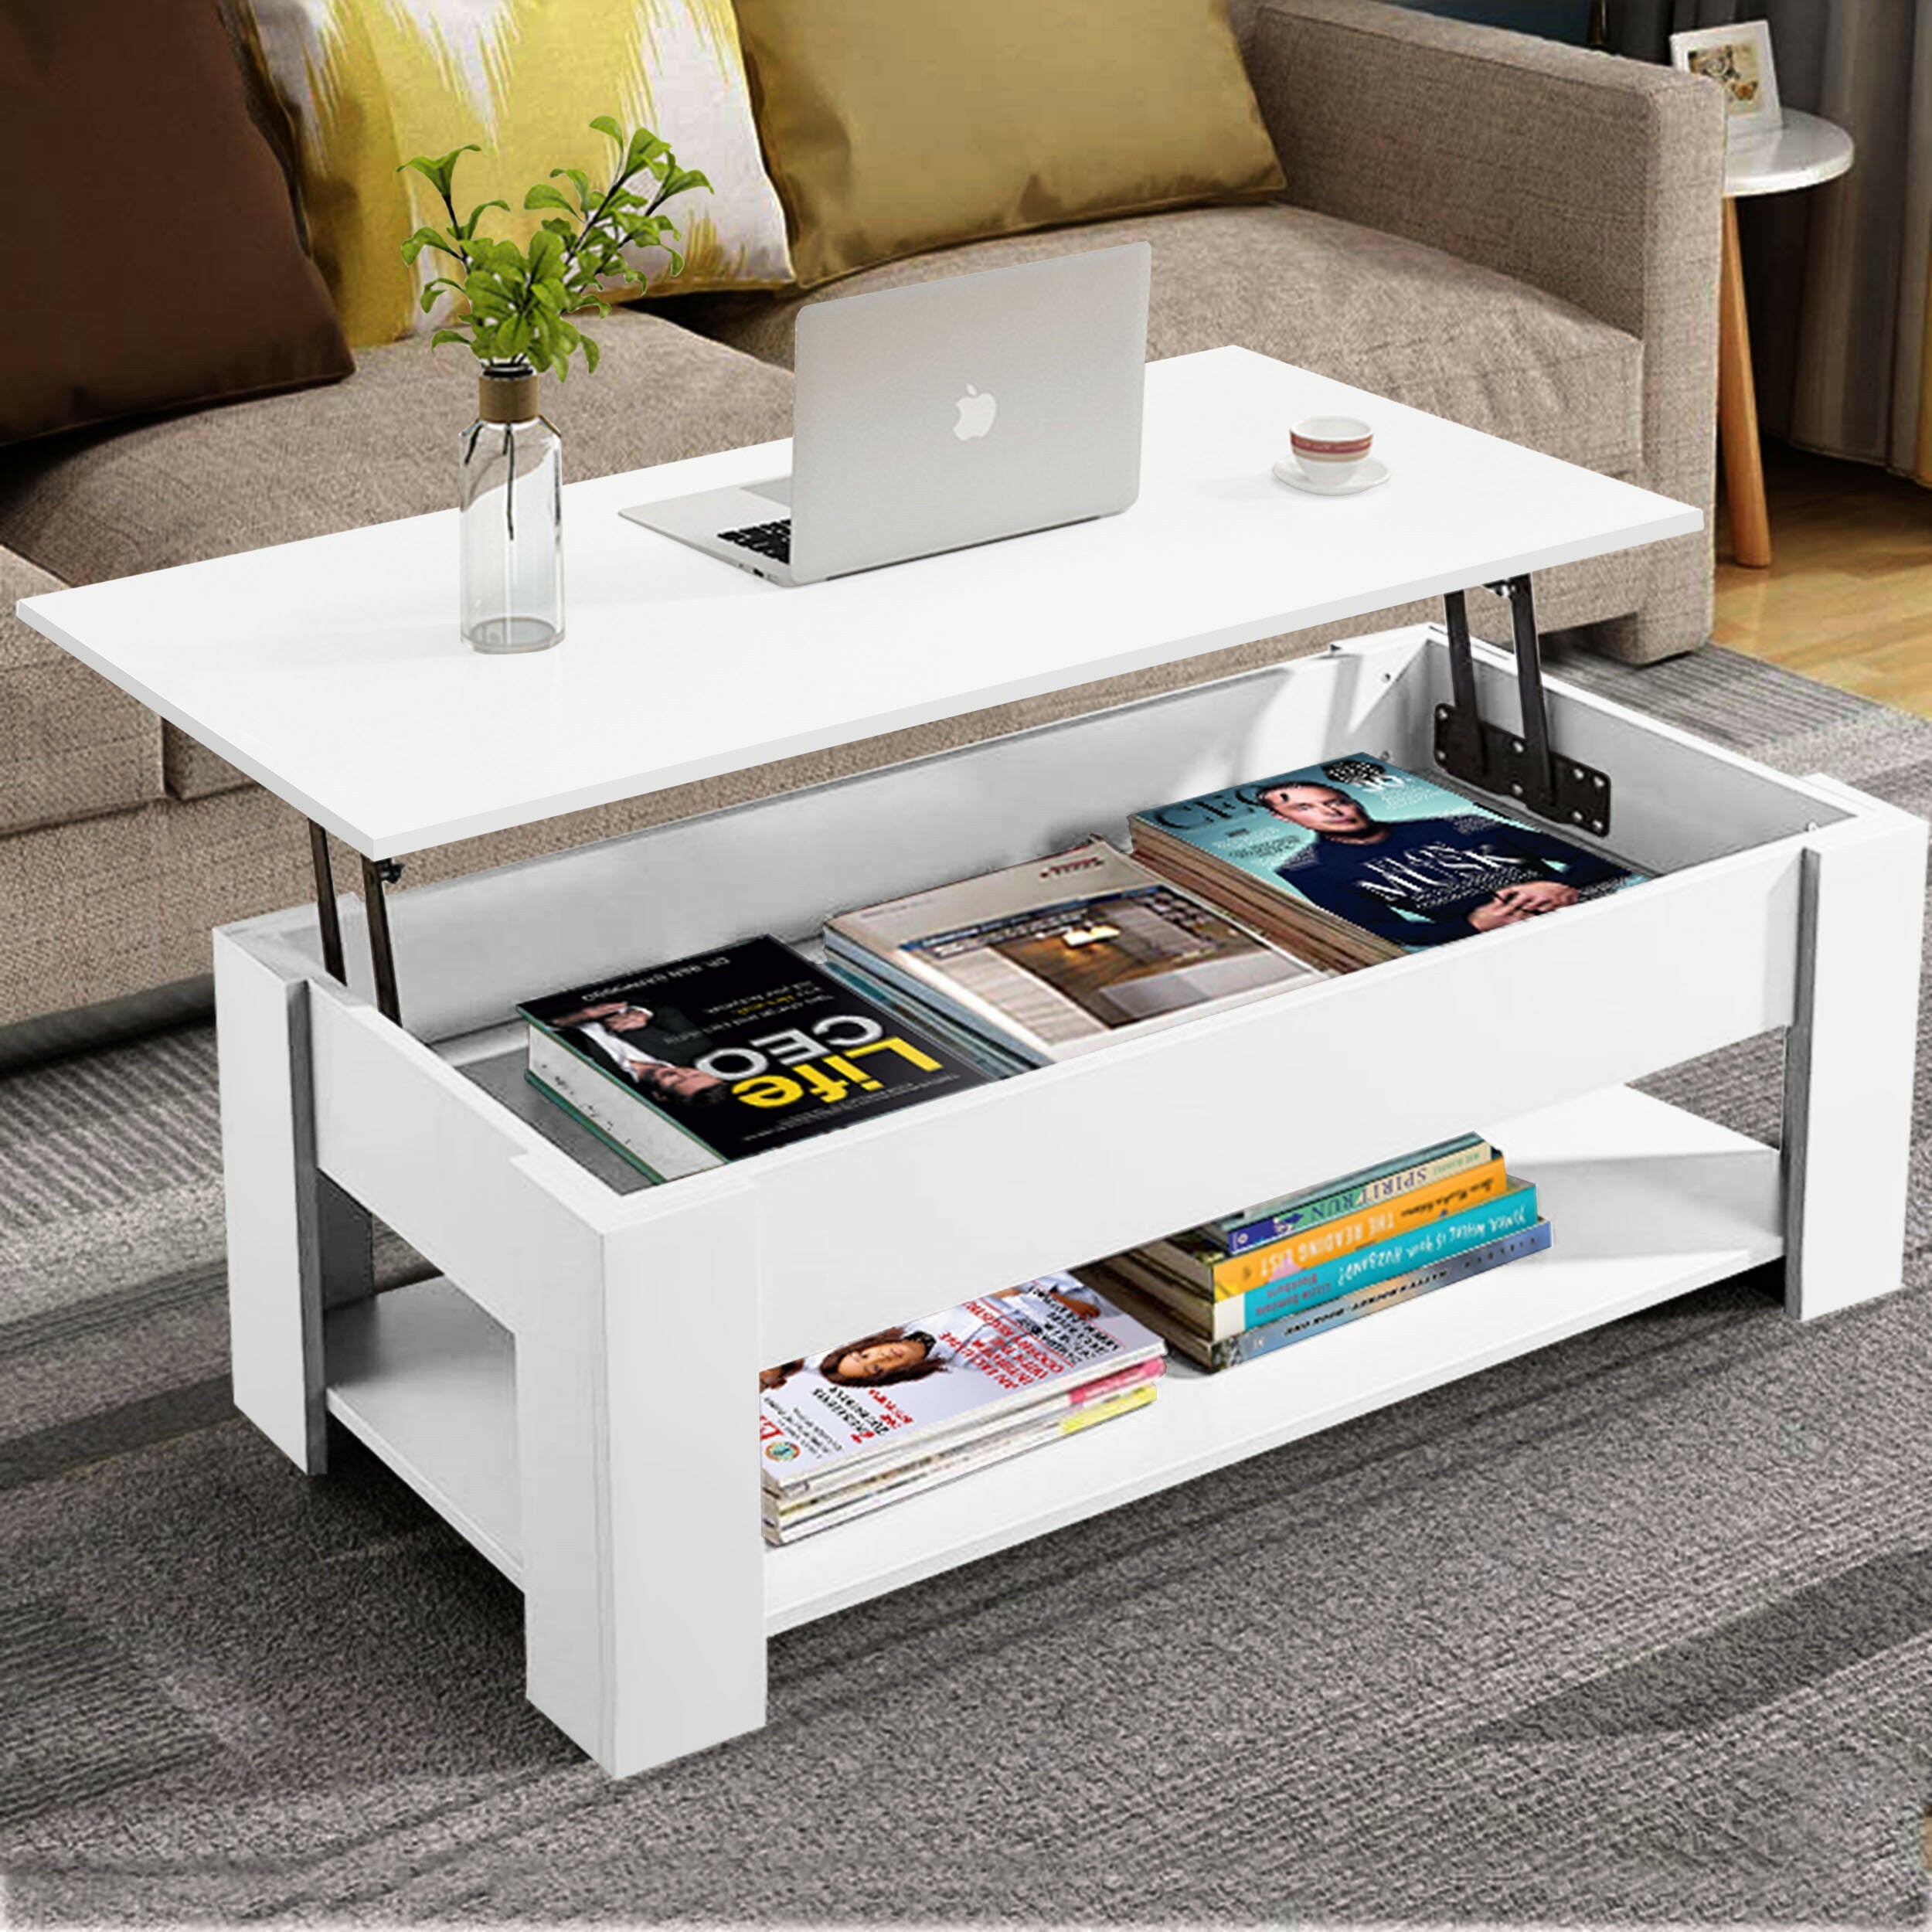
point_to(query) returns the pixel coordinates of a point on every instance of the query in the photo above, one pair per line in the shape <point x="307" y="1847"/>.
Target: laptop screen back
<point x="957" y="411"/>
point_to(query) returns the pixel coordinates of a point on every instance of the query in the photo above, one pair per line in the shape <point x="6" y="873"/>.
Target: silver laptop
<point x="950" y="413"/>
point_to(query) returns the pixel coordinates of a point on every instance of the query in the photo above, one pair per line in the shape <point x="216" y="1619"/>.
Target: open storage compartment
<point x="1647" y="1202"/>
<point x="523" y="1392"/>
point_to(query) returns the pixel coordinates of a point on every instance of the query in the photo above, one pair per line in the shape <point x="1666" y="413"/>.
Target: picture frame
<point x="1739" y="57"/>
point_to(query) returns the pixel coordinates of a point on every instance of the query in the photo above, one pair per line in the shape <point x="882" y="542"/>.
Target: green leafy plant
<point x="516" y="303"/>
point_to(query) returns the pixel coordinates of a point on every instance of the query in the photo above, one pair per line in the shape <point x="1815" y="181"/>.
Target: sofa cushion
<point x="369" y="84"/>
<point x="891" y="130"/>
<point x="190" y="769"/>
<point x="1389" y="315"/>
<point x="382" y="444"/>
<point x="70" y="744"/>
<point x="120" y="120"/>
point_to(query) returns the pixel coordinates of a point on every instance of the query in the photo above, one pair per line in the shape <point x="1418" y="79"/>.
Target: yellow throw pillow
<point x="895" y="126"/>
<point x="368" y="83"/>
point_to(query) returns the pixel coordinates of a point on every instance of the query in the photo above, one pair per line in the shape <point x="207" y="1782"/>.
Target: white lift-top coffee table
<point x="524" y="1391"/>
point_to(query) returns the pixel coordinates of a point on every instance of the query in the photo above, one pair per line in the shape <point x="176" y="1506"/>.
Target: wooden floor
<point x="1847" y="599"/>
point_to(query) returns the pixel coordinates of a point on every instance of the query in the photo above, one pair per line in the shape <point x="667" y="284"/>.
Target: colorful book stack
<point x="893" y="1414"/>
<point x="1233" y="1289"/>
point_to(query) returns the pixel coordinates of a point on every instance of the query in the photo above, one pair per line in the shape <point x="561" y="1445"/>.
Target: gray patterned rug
<point x="1637" y="1630"/>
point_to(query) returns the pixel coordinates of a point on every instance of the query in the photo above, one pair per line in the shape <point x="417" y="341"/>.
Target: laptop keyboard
<point x="768" y="539"/>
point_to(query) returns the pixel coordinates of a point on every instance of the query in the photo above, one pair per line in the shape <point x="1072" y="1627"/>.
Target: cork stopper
<point x="504" y="397"/>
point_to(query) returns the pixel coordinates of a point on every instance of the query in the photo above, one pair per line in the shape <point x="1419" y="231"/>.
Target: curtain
<point x="1575" y="21"/>
<point x="1837" y="276"/>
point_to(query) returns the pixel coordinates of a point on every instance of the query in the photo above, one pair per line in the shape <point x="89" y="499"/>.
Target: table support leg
<point x="328" y="914"/>
<point x="643" y="1568"/>
<point x="1849" y="1061"/>
<point x="1737" y="410"/>
<point x="378" y="873"/>
<point x="298" y="1245"/>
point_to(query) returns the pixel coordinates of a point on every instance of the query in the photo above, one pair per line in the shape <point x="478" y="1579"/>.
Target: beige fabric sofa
<point x="1518" y="236"/>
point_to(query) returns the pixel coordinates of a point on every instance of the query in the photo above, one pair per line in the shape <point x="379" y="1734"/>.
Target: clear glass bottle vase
<point x="510" y="508"/>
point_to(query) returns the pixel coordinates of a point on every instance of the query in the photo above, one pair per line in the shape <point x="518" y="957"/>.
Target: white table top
<point x="1802" y="153"/>
<point x="331" y="671"/>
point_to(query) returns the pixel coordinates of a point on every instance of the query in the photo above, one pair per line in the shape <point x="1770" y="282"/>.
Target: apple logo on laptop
<point x="976" y="414"/>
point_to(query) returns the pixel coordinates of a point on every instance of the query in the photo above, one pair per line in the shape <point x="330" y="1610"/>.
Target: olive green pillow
<point x="894" y="126"/>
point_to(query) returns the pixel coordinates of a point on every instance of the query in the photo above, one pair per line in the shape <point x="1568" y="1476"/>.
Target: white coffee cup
<point x="1331" y="449"/>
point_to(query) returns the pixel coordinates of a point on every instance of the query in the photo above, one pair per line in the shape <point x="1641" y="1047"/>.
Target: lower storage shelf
<point x="428" y="1381"/>
<point x="1645" y="1201"/>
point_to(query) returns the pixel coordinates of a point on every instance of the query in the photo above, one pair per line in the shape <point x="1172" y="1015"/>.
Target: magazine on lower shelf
<point x="1355" y="860"/>
<point x="685" y="1066"/>
<point x="787" y="1517"/>
<point x="1060" y="955"/>
<point x="914" y="1403"/>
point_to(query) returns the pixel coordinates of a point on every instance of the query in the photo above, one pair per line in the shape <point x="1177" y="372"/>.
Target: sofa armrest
<point x="1598" y="180"/>
<point x="1595" y="178"/>
<point x="71" y="745"/>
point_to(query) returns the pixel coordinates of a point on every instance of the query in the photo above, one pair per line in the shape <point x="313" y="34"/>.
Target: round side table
<point x="1802" y="153"/>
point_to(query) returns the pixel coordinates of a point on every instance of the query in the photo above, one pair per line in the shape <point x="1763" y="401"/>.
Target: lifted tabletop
<point x="331" y="671"/>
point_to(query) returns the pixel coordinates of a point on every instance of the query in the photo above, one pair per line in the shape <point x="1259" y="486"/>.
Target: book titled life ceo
<point x="729" y="1053"/>
<point x="1401" y="858"/>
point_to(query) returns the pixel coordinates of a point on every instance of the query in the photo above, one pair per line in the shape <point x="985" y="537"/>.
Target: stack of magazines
<point x="891" y="1415"/>
<point x="1041" y="961"/>
<point x="1355" y="861"/>
<point x="1241" y="1287"/>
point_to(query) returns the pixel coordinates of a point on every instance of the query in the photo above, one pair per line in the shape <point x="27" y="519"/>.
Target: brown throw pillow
<point x="891" y="127"/>
<point x="155" y="263"/>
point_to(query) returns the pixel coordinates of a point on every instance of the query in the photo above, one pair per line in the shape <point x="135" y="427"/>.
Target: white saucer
<point x="1373" y="471"/>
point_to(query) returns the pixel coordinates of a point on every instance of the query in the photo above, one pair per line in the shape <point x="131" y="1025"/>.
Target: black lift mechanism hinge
<point x="1519" y="765"/>
<point x="377" y="874"/>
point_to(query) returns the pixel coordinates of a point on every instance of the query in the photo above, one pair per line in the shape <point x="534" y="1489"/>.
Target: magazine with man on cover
<point x="1384" y="852"/>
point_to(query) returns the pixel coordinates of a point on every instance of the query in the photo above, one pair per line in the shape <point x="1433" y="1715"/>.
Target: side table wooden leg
<point x="637" y="1415"/>
<point x="1849" y="1061"/>
<point x="1737" y="410"/>
<point x="298" y="1245"/>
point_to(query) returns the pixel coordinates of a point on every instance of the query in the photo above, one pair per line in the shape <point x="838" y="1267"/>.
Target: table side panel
<point x="680" y="1399"/>
<point x="1071" y="1162"/>
<point x="494" y="1206"/>
<point x="274" y="1296"/>
<point x="1850" y="1061"/>
<point x="1611" y="990"/>
<point x="470" y="948"/>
